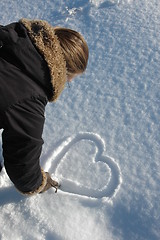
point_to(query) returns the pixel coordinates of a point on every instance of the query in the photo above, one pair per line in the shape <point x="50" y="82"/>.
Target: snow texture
<point x="102" y="138"/>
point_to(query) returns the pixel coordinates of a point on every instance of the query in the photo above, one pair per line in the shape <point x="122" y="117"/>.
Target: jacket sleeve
<point x="22" y="145"/>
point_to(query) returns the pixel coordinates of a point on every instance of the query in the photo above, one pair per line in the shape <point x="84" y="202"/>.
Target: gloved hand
<point x="50" y="183"/>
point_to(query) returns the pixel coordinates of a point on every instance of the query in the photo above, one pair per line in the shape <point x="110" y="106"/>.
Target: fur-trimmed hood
<point x="42" y="35"/>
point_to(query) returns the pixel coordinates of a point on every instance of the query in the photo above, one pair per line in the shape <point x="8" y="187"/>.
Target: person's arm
<point x="22" y="145"/>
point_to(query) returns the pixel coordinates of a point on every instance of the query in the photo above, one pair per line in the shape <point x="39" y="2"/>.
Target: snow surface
<point x="102" y="138"/>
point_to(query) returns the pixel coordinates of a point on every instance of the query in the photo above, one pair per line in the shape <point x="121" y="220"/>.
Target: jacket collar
<point x="43" y="37"/>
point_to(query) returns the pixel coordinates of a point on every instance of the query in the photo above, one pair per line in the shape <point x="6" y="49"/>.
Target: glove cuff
<point x="40" y="188"/>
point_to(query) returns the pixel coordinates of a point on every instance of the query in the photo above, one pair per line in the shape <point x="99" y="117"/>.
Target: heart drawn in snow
<point x="111" y="171"/>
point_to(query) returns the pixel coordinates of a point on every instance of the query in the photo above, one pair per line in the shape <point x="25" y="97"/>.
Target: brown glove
<point x="50" y="183"/>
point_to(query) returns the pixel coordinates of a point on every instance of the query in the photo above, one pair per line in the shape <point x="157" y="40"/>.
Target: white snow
<point x="102" y="138"/>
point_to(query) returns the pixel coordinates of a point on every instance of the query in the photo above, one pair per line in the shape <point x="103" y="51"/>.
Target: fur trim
<point x="42" y="35"/>
<point x="41" y="187"/>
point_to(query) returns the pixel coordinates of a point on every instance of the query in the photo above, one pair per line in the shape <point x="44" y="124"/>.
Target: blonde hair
<point x="75" y="50"/>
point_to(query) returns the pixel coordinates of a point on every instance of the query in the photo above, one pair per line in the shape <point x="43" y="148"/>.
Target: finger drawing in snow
<point x="83" y="169"/>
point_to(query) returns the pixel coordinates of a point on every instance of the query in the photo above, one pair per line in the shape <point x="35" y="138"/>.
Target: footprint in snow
<point x="83" y="169"/>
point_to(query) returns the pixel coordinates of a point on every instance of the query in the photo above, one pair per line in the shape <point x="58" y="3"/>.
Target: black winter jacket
<point x="28" y="80"/>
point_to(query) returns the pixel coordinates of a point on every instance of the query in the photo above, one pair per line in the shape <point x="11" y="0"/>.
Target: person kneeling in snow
<point x="36" y="60"/>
